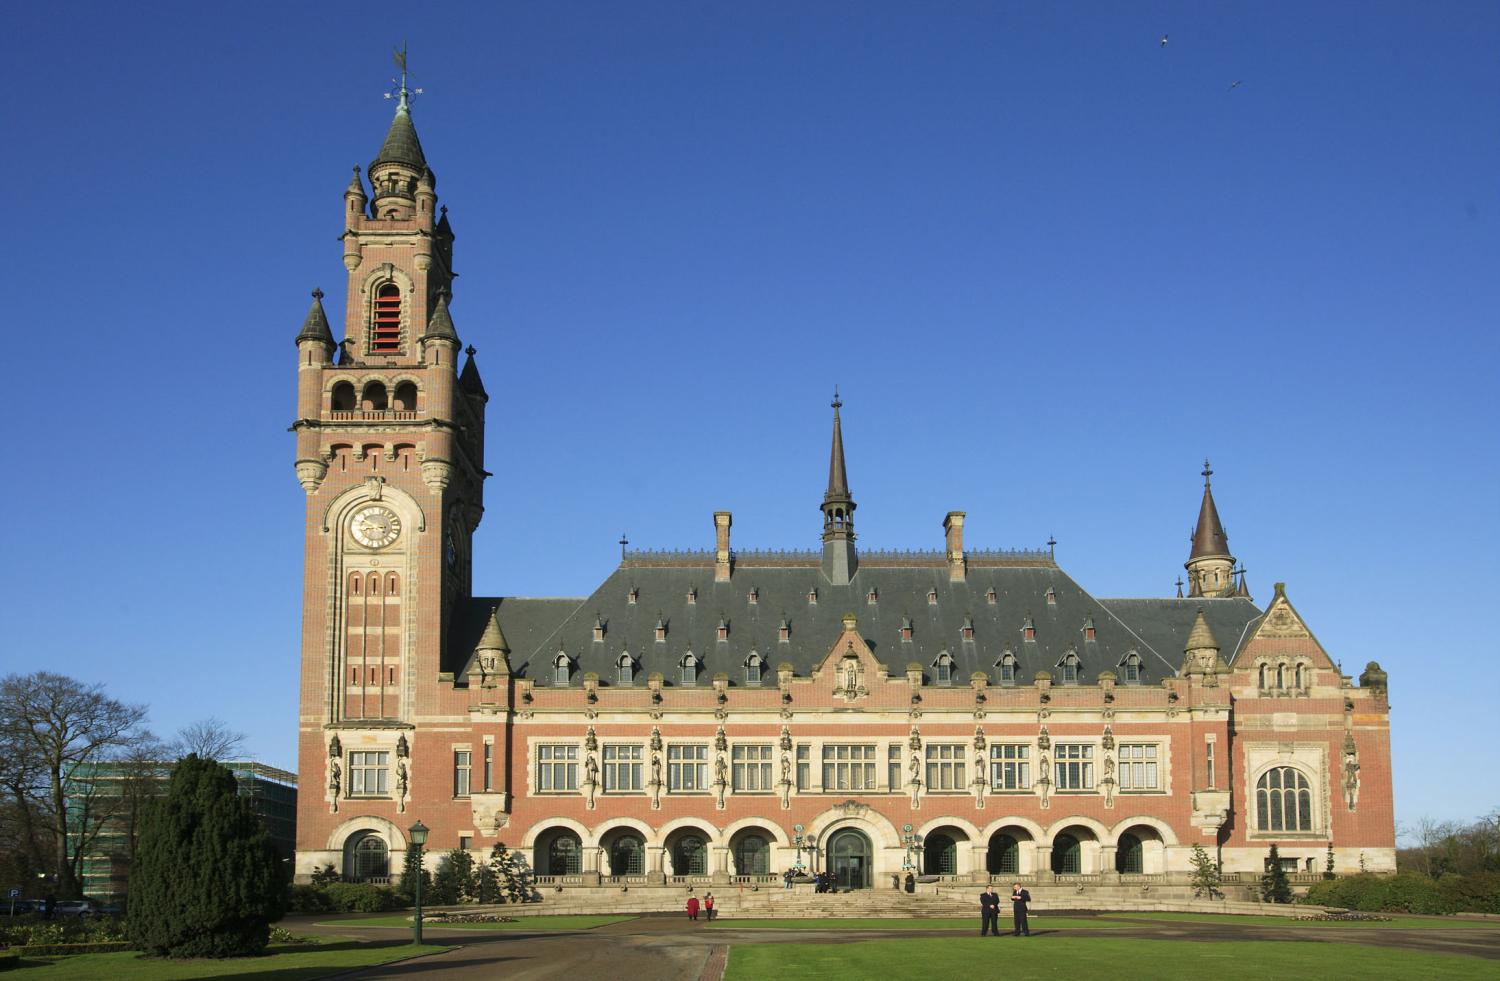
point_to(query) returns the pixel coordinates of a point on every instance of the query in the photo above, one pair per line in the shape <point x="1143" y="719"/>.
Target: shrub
<point x="308" y="899"/>
<point x="63" y="950"/>
<point x="360" y="897"/>
<point x="454" y="881"/>
<point x="206" y="882"/>
<point x="1402" y="893"/>
<point x="1476" y="893"/>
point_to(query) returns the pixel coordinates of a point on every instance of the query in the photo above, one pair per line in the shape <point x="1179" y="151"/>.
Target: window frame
<point x="751" y="768"/>
<point x="1010" y="767"/>
<point x="696" y="764"/>
<point x="549" y="765"/>
<point x="360" y="769"/>
<point x="946" y="768"/>
<point x="851" y="773"/>
<point x="1147" y="766"/>
<point x="463" y="773"/>
<point x="1073" y="767"/>
<point x="627" y="758"/>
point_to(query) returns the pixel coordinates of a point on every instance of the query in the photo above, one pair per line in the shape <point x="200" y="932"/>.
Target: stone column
<point x="979" y="863"/>
<point x="655" y="870"/>
<point x="591" y="865"/>
<point x="1106" y="859"/>
<point x="719" y="864"/>
<point x="1043" y="862"/>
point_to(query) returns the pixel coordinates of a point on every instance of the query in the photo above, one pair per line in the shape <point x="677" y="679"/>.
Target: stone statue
<point x="335" y="779"/>
<point x="916" y="738"/>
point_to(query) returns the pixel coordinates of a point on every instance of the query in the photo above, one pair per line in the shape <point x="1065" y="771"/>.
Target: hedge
<point x="1408" y="892"/>
<point x="56" y="950"/>
<point x="343" y="897"/>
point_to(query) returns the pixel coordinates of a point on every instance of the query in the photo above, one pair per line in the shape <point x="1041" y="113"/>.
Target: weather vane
<point x="400" y="91"/>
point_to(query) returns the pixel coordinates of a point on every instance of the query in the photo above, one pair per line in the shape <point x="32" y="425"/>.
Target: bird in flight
<point x="1234" y="85"/>
<point x="1164" y="40"/>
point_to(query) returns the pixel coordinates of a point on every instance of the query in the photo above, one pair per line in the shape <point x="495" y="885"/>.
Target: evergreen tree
<point x="454" y="881"/>
<point x="1206" y="878"/>
<point x="1274" y="887"/>
<point x="487" y="884"/>
<point x="326" y="876"/>
<point x="411" y="869"/>
<point x="207" y="880"/>
<point x="1328" y="865"/>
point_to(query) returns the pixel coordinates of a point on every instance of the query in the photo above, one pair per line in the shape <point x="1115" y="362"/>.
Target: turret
<point x="315" y="347"/>
<point x="400" y="166"/>
<point x="1210" y="567"/>
<point x="840" y="559"/>
<point x="1201" y="652"/>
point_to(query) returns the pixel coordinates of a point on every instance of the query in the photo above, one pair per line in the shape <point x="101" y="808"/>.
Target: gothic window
<point x="627" y="669"/>
<point x="945" y="767"/>
<point x="687" y="769"/>
<point x="1138" y="770"/>
<point x="343" y="397"/>
<point x="1010" y="766"/>
<point x="628" y="856"/>
<point x="944" y="665"/>
<point x="1075" y="766"/>
<point x="1130" y="669"/>
<point x="463" y="768"/>
<point x="560" y="668"/>
<point x="1283" y="801"/>
<point x="690" y="857"/>
<point x="1008" y="667"/>
<point x="689" y="669"/>
<point x="753" y="668"/>
<point x="848" y="767"/>
<point x="385" y="335"/>
<point x="1069" y="665"/>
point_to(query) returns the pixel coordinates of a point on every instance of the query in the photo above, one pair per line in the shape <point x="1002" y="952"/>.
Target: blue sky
<point x="1051" y="264"/>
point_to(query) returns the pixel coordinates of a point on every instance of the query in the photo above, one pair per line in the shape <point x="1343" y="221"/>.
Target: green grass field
<point x="977" y="959"/>
<point x="581" y="922"/>
<point x="1038" y="923"/>
<point x="1397" y="921"/>
<point x="282" y="963"/>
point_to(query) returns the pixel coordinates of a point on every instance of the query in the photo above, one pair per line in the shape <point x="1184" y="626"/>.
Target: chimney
<point x="953" y="525"/>
<point x="722" y="521"/>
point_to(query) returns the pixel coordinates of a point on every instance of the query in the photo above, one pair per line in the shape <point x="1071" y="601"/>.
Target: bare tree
<point x="63" y="730"/>
<point x="210" y="738"/>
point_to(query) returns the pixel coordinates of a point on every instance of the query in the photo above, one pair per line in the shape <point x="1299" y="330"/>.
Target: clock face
<point x="375" y="527"/>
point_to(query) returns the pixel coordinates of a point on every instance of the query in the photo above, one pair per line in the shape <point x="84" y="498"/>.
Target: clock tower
<point x="390" y="451"/>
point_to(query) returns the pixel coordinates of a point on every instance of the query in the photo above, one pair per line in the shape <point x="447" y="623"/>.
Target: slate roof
<point x="1165" y="624"/>
<point x="401" y="144"/>
<point x="904" y="589"/>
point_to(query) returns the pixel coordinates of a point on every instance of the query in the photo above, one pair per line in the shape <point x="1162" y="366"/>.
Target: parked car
<point x="21" y="907"/>
<point x="109" y="909"/>
<point x="74" y="907"/>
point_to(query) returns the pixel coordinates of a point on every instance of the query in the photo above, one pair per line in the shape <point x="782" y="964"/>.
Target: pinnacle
<point x="440" y="324"/>
<point x="1201" y="637"/>
<point x="315" y="327"/>
<point x="493" y="638"/>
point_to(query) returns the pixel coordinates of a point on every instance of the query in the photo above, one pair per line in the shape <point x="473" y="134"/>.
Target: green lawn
<point x="1397" y="921"/>
<point x="1009" y="959"/>
<point x="581" y="922"/>
<point x="909" y="923"/>
<point x="282" y="962"/>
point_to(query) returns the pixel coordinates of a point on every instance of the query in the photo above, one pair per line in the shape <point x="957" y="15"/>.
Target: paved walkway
<point x="668" y="948"/>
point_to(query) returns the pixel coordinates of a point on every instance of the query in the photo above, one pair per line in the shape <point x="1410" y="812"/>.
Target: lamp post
<point x="418" y="834"/>
<point x="913" y="844"/>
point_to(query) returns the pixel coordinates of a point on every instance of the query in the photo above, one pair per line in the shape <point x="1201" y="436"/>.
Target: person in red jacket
<point x="708" y="906"/>
<point x="692" y="907"/>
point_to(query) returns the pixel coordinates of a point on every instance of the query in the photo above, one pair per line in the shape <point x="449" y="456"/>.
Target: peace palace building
<point x="705" y="716"/>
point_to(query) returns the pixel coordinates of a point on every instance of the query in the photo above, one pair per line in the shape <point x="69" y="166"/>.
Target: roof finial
<point x="402" y="93"/>
<point x="317" y="293"/>
<point x="471" y="350"/>
<point x="1179" y="587"/>
<point x="1208" y="471"/>
<point x="623" y="542"/>
<point x="1052" y="545"/>
<point x="837" y="403"/>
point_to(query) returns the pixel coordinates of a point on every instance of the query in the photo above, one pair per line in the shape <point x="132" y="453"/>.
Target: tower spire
<point x="839" y="557"/>
<point x="1210" y="566"/>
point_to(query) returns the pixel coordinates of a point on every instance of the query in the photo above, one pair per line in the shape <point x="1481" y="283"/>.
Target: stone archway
<point x="1003" y="856"/>
<point x="850" y="857"/>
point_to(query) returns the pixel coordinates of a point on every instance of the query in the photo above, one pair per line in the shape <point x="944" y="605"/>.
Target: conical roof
<point x="401" y="145"/>
<point x="838" y="477"/>
<point x="315" y="327"/>
<point x="493" y="638"/>
<point x="440" y="324"/>
<point x="468" y="379"/>
<point x="1209" y="538"/>
<point x="1201" y="637"/>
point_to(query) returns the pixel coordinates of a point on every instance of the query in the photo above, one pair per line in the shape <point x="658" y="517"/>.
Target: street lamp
<point x="418" y="834"/>
<point x="913" y="847"/>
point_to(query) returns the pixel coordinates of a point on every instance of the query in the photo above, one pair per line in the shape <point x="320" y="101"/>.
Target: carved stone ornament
<point x="655" y="783"/>
<point x="915" y="742"/>
<point x="590" y="741"/>
<point x="590" y="777"/>
<point x="1350" y="770"/>
<point x="375" y="487"/>
<point x="335" y="784"/>
<point x="310" y="474"/>
<point x="1043" y="741"/>
<point x="786" y="739"/>
<point x="979" y="738"/>
<point x="403" y="783"/>
<point x="403" y="748"/>
<point x="335" y="748"/>
<point x="655" y="739"/>
<point x="1108" y="742"/>
<point x="721" y="741"/>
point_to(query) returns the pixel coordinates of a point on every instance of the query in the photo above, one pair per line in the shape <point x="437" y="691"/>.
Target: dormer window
<point x="1008" y="666"/>
<point x="692" y="595"/>
<point x="1051" y="596"/>
<point x="1130" y="669"/>
<point x="754" y="596"/>
<point x="870" y="596"/>
<point x="385" y="333"/>
<point x="784" y="632"/>
<point x="754" y="667"/>
<point x="632" y="596"/>
<point x="967" y="630"/>
<point x="661" y="630"/>
<point x="944" y="665"/>
<point x="723" y="630"/>
<point x="991" y="597"/>
<point x="1088" y="628"/>
<point x="626" y="668"/>
<point x="1028" y="628"/>
<point x="932" y="597"/>
<point x="689" y="665"/>
<point x="906" y="628"/>
<point x="560" y="666"/>
<point x="812" y="596"/>
<point x="598" y="630"/>
<point x="1069" y="666"/>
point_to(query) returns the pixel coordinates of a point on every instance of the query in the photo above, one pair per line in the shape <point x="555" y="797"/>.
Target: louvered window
<point x="387" y="334"/>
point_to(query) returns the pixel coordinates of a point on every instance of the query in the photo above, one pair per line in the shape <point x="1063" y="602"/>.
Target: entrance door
<point x="849" y="859"/>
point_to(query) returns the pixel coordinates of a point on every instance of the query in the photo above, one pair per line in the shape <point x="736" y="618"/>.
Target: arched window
<point x="1129" y="855"/>
<point x="627" y="856"/>
<point x="1067" y="855"/>
<point x="385" y="335"/>
<point x="565" y="855"/>
<point x="753" y="668"/>
<point x="1283" y="801"/>
<point x="373" y="398"/>
<point x="689" y="665"/>
<point x="1069" y="665"/>
<point x="944" y="665"/>
<point x="560" y="667"/>
<point x="940" y="855"/>
<point x="406" y="397"/>
<point x="627" y="669"/>
<point x="752" y="855"/>
<point x="1130" y="669"/>
<point x="690" y="856"/>
<point x="1008" y="668"/>
<point x="1280" y="676"/>
<point x="366" y="857"/>
<point x="343" y="397"/>
<point x="1298" y="677"/>
<point x="1004" y="856"/>
<point x="1262" y="677"/>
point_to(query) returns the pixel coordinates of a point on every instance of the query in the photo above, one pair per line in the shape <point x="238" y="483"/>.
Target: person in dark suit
<point x="989" y="912"/>
<point x="1018" y="899"/>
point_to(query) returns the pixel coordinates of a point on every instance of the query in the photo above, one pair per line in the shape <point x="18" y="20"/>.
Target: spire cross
<point x="836" y="403"/>
<point x="317" y="294"/>
<point x="1052" y="545"/>
<point x="623" y="542"/>
<point x="1207" y="471"/>
<point x="401" y="92"/>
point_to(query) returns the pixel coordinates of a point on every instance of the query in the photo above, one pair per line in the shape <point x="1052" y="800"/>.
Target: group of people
<point x="989" y="911"/>
<point x="707" y="906"/>
<point x="822" y="881"/>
